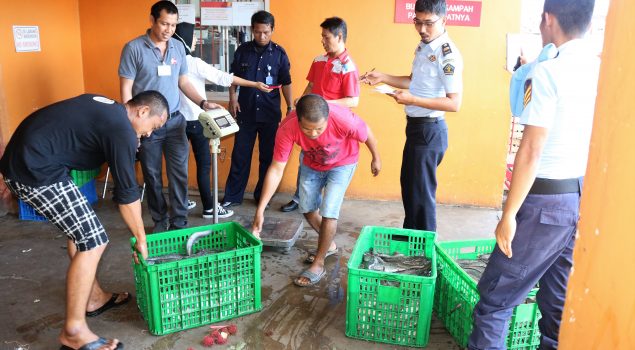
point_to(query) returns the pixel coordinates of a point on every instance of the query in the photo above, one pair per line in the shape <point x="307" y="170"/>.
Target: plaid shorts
<point x="67" y="208"/>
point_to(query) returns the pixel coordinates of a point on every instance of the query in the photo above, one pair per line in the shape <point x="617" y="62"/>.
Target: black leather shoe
<point x="291" y="206"/>
<point x="229" y="204"/>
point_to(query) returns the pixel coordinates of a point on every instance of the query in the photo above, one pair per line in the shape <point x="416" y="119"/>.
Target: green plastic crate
<point x="456" y="295"/>
<point x="193" y="292"/>
<point x="389" y="307"/>
<point x="81" y="177"/>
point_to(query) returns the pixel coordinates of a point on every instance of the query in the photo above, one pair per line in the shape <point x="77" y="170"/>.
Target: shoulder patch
<point x="448" y="69"/>
<point x="321" y="58"/>
<point x="527" y="96"/>
<point x="103" y="100"/>
<point x="445" y="48"/>
<point x="446" y="61"/>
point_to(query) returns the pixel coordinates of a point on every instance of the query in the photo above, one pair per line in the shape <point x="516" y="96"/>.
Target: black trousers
<point x="425" y="146"/>
<point x="241" y="158"/>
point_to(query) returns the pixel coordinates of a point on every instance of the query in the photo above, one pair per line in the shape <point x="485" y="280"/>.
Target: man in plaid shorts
<point x="83" y="133"/>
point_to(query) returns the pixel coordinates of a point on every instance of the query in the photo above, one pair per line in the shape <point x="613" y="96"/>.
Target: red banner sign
<point x="459" y="13"/>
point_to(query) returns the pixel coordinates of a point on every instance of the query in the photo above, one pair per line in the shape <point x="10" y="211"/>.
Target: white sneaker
<point x="222" y="213"/>
<point x="191" y="204"/>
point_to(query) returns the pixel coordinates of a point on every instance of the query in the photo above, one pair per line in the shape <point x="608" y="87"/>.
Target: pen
<point x="365" y="74"/>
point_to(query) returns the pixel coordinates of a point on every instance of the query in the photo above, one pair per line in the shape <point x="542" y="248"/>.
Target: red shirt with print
<point x="337" y="145"/>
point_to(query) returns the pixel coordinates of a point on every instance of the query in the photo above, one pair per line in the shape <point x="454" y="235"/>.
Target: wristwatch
<point x="202" y="103"/>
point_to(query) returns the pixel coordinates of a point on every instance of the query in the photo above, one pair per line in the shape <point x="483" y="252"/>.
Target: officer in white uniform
<point x="541" y="213"/>
<point x="434" y="87"/>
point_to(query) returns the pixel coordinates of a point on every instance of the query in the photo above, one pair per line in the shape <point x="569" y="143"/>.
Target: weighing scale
<point x="276" y="232"/>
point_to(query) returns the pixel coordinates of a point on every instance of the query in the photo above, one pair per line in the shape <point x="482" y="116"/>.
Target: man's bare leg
<point x="315" y="220"/>
<point x="98" y="297"/>
<point x="79" y="281"/>
<point x="326" y="234"/>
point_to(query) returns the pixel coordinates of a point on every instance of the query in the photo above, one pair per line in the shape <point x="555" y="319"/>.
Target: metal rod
<point x="215" y="149"/>
<point x="215" y="172"/>
<point x="103" y="193"/>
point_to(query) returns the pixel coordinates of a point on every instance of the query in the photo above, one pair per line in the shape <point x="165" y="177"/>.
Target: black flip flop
<point x="93" y="345"/>
<point x="109" y="305"/>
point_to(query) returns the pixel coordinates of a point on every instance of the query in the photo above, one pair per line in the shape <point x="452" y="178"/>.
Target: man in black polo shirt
<point x="83" y="133"/>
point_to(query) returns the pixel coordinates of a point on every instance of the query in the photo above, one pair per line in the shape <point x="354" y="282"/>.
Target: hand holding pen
<point x="371" y="77"/>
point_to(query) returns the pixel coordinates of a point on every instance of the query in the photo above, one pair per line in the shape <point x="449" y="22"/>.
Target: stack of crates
<point x="84" y="179"/>
<point x="390" y="307"/>
<point x="456" y="295"/>
<point x="197" y="291"/>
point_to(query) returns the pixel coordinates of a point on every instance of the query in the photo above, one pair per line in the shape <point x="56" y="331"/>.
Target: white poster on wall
<point x="216" y="14"/>
<point x="26" y="38"/>
<point x="187" y="13"/>
<point x="244" y="10"/>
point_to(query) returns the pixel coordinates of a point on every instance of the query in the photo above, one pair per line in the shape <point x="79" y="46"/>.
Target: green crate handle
<point x="400" y="238"/>
<point x="390" y="276"/>
<point x="142" y="261"/>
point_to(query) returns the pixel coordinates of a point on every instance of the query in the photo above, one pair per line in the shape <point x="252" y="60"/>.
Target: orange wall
<point x="600" y="307"/>
<point x="35" y="79"/>
<point x="474" y="167"/>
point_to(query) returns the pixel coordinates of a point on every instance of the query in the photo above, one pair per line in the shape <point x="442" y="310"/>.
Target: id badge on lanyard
<point x="164" y="70"/>
<point x="269" y="78"/>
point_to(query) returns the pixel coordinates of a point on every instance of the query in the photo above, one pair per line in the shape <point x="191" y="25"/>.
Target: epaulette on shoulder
<point x="446" y="49"/>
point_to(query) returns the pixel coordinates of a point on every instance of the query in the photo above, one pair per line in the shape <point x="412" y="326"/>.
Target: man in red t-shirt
<point x="332" y="75"/>
<point x="329" y="136"/>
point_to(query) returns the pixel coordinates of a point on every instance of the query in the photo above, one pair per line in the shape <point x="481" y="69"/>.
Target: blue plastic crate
<point x="27" y="212"/>
<point x="89" y="190"/>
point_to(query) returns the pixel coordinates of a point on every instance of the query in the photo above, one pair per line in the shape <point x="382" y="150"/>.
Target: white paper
<point x="244" y="10"/>
<point x="529" y="44"/>
<point x="216" y="16"/>
<point x="26" y="38"/>
<point x="384" y="89"/>
<point x="187" y="13"/>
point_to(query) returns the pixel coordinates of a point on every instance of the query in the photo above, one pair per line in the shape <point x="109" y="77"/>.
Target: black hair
<point x="312" y="107"/>
<point x="184" y="33"/>
<point x="336" y="26"/>
<point x="437" y="7"/>
<point x="263" y="17"/>
<point x="153" y="99"/>
<point x="573" y="16"/>
<point x="159" y="6"/>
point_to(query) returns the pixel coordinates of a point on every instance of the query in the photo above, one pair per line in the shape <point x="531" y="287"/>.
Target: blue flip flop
<point x="94" y="345"/>
<point x="313" y="278"/>
<point x="311" y="257"/>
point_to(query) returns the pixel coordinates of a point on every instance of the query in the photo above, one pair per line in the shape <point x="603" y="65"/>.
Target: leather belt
<point x="173" y="114"/>
<point x="422" y="120"/>
<point x="555" y="186"/>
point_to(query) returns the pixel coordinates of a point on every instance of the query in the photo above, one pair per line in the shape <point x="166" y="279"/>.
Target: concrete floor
<point x="34" y="262"/>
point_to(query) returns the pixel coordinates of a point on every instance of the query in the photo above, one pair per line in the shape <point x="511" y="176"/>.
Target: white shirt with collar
<point x="199" y="72"/>
<point x="560" y="96"/>
<point x="437" y="70"/>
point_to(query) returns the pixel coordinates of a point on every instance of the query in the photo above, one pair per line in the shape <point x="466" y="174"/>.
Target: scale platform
<point x="279" y="233"/>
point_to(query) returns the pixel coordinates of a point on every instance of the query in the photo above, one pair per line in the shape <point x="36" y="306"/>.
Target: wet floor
<point x="33" y="265"/>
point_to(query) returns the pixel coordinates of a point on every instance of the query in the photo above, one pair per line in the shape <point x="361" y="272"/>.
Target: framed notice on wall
<point x="216" y="13"/>
<point x="26" y="38"/>
<point x="459" y="13"/>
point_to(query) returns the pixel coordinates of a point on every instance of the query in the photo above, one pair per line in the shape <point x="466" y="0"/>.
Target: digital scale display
<point x="222" y="122"/>
<point x="217" y="123"/>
